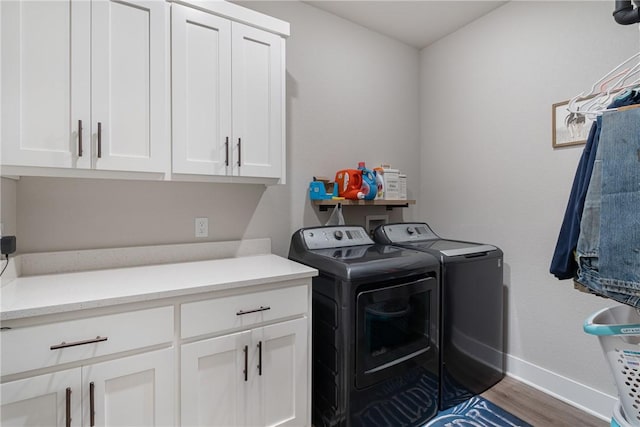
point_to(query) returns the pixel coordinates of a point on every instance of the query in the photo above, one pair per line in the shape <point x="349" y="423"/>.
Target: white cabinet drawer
<point x="238" y="311"/>
<point x="35" y="347"/>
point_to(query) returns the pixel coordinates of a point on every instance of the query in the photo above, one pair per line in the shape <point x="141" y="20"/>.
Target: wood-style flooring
<point x="538" y="408"/>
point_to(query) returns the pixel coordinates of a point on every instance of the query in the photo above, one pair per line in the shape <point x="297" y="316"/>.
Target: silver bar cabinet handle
<point x="239" y="151"/>
<point x="68" y="407"/>
<point x="73" y="344"/>
<point x="241" y="312"/>
<point x="99" y="139"/>
<point x="259" y="357"/>
<point x="79" y="138"/>
<point x="92" y="406"/>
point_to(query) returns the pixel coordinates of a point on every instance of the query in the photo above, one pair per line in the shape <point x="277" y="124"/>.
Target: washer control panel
<point x="338" y="236"/>
<point x="408" y="232"/>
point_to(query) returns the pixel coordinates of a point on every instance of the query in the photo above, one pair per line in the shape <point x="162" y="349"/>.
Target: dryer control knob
<point x="411" y="230"/>
<point x="338" y="234"/>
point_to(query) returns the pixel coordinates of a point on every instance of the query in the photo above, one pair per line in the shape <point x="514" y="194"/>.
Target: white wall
<point x="490" y="173"/>
<point x="351" y="96"/>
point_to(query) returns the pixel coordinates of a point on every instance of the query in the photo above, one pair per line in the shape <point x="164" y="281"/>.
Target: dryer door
<point x="396" y="328"/>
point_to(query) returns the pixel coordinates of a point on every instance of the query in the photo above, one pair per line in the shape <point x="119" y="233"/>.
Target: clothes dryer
<point x="375" y="331"/>
<point x="472" y="327"/>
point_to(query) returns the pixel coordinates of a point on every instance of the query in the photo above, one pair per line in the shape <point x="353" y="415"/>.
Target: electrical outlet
<point x="202" y="227"/>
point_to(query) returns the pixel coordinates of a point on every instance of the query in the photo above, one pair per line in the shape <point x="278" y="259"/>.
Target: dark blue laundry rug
<point x="476" y="412"/>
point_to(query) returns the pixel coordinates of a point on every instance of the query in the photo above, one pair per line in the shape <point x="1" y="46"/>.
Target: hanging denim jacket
<point x="563" y="263"/>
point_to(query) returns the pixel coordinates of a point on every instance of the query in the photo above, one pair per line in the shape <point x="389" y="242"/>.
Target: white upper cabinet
<point x="201" y="61"/>
<point x="46" y="97"/>
<point x="84" y="85"/>
<point x="228" y="97"/>
<point x="128" y="62"/>
<point x="258" y="102"/>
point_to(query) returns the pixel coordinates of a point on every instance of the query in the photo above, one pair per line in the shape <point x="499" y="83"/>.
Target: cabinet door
<point x="214" y="382"/>
<point x="42" y="400"/>
<point x="132" y="391"/>
<point x="45" y="83"/>
<point x="283" y="386"/>
<point x="129" y="62"/>
<point x="201" y="92"/>
<point x="258" y="76"/>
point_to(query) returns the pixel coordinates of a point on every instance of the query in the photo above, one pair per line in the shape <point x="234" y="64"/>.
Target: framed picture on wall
<point x="569" y="128"/>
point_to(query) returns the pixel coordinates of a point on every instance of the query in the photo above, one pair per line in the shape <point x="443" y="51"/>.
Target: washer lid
<point x="420" y="236"/>
<point x="450" y="247"/>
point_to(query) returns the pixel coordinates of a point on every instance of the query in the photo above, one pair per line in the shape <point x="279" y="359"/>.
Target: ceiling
<point x="416" y="23"/>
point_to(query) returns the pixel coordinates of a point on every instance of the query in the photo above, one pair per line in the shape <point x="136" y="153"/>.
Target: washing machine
<point x="472" y="326"/>
<point x="375" y="331"/>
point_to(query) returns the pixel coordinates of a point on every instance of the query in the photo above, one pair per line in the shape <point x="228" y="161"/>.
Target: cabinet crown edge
<point x="239" y="14"/>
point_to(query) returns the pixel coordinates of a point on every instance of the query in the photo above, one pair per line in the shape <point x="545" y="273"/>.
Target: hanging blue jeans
<point x="620" y="212"/>
<point x="563" y="262"/>
<point x="588" y="249"/>
<point x="609" y="244"/>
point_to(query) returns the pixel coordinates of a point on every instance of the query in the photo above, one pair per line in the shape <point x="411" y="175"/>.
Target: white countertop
<point x="58" y="293"/>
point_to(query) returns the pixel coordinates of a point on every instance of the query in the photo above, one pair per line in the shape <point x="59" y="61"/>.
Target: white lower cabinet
<point x="119" y="389"/>
<point x="131" y="391"/>
<point x="213" y="392"/>
<point x="244" y="361"/>
<point x="43" y="400"/>
<point x="282" y="384"/>
<point x="254" y="378"/>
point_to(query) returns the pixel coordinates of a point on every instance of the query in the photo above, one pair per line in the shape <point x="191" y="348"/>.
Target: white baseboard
<point x="585" y="398"/>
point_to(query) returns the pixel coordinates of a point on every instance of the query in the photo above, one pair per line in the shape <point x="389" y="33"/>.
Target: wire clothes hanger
<point x="598" y="104"/>
<point x="599" y="96"/>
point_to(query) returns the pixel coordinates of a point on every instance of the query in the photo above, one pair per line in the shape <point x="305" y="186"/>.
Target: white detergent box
<point x="402" y="186"/>
<point x="391" y="184"/>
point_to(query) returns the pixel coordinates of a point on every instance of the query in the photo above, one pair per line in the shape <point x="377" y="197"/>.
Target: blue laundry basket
<point x="618" y="330"/>
<point x="618" y="419"/>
